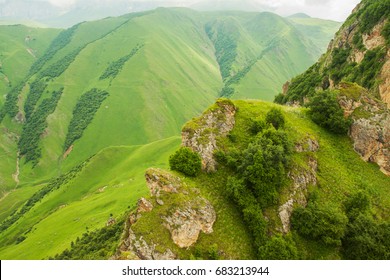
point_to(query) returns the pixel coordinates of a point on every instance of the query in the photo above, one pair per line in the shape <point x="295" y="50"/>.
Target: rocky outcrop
<point x="384" y="87"/>
<point x="179" y="209"/>
<point x="370" y="130"/>
<point x="308" y="144"/>
<point x="185" y="223"/>
<point x="201" y="134"/>
<point x="301" y="178"/>
<point x="160" y="181"/>
<point x="142" y="250"/>
<point x="371" y="139"/>
<point x="374" y="39"/>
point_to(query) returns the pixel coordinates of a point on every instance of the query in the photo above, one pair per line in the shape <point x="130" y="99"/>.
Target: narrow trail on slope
<point x="30" y="51"/>
<point x="15" y="176"/>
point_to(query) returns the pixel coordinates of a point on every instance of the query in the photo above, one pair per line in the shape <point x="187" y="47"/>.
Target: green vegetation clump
<point x="320" y="224"/>
<point x="386" y="33"/>
<point x="366" y="238"/>
<point x="374" y="11"/>
<point x="280" y="248"/>
<point x="83" y="114"/>
<point x="33" y="129"/>
<point x="36" y="89"/>
<point x="301" y="86"/>
<point x="276" y="118"/>
<point x="58" y="43"/>
<point x="97" y="245"/>
<point x="223" y="35"/>
<point x="369" y="68"/>
<point x="326" y="112"/>
<point x="186" y="161"/>
<point x="10" y="106"/>
<point x="57" y="68"/>
<point x="259" y="172"/>
<point x="115" y="67"/>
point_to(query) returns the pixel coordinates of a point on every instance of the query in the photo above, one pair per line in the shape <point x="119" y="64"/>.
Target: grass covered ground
<point x="110" y="183"/>
<point x="341" y="173"/>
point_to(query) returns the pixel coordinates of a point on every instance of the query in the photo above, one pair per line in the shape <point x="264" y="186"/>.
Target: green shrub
<point x="326" y="112"/>
<point x="279" y="248"/>
<point x="264" y="165"/>
<point x="319" y="224"/>
<point x="276" y="118"/>
<point x="258" y="126"/>
<point x="366" y="239"/>
<point x="186" y="161"/>
<point x="358" y="203"/>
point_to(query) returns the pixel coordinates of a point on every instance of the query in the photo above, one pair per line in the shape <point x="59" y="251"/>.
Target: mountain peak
<point x="299" y="15"/>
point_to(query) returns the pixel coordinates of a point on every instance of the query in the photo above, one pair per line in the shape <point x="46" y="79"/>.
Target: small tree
<point x="276" y="118"/>
<point x="326" y="112"/>
<point x="186" y="161"/>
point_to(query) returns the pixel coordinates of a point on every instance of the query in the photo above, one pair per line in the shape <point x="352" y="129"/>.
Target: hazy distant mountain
<point x="55" y="16"/>
<point x="22" y="11"/>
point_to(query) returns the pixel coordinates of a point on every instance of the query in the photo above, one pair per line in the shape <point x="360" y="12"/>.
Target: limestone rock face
<point x="159" y="181"/>
<point x="187" y="222"/>
<point x="144" y="205"/>
<point x="184" y="213"/>
<point x="307" y="145"/>
<point x="302" y="178"/>
<point x="374" y="39"/>
<point x="142" y="250"/>
<point x="202" y="138"/>
<point x="384" y="87"/>
<point x="371" y="139"/>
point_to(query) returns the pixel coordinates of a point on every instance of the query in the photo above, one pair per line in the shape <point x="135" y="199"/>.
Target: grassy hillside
<point x="85" y="202"/>
<point x="19" y="47"/>
<point x="340" y="174"/>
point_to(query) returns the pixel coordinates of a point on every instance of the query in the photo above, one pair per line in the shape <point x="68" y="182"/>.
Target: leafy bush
<point x="276" y="118"/>
<point x="186" y="161"/>
<point x="279" y="248"/>
<point x="366" y="239"/>
<point x="326" y="112"/>
<point x="258" y="126"/>
<point x="264" y="164"/>
<point x="320" y="224"/>
<point x="358" y="203"/>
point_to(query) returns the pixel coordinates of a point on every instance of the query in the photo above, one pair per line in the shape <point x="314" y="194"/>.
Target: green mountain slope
<point x="20" y="47"/>
<point x="127" y="82"/>
<point x="176" y="63"/>
<point x="355" y="70"/>
<point x="109" y="183"/>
